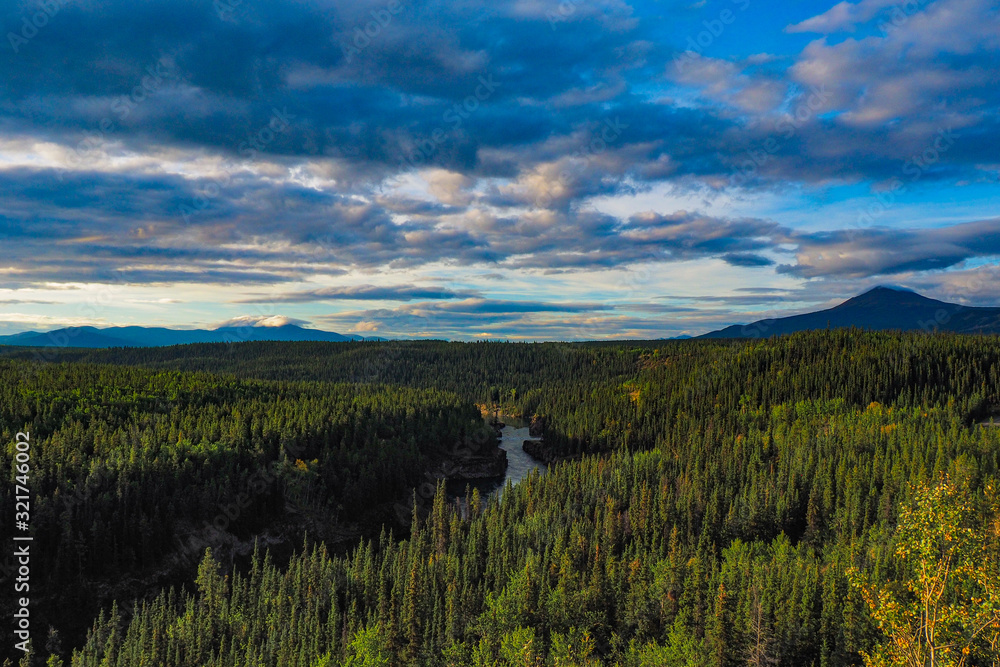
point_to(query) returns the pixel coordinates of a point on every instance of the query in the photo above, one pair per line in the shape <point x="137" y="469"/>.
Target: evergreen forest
<point x="822" y="499"/>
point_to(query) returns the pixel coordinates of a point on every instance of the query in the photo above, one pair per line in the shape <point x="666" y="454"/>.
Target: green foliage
<point x="712" y="498"/>
<point x="367" y="649"/>
<point x="946" y="609"/>
<point x="137" y="471"/>
<point x="573" y="649"/>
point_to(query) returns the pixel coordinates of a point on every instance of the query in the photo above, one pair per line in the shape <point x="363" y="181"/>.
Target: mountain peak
<point x="882" y="308"/>
<point x="263" y="321"/>
<point x="889" y="288"/>
<point x="884" y="296"/>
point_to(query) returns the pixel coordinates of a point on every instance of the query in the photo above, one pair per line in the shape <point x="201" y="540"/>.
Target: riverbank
<point x="519" y="462"/>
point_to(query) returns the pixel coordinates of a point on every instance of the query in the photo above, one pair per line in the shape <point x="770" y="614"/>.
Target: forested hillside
<point x="135" y="472"/>
<point x="719" y="503"/>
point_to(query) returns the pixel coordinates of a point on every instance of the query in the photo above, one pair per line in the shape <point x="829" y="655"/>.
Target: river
<point x="519" y="463"/>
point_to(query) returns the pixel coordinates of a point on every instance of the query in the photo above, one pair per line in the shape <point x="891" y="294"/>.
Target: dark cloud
<point x="874" y="252"/>
<point x="198" y="78"/>
<point x="18" y="302"/>
<point x="179" y="73"/>
<point x="747" y="259"/>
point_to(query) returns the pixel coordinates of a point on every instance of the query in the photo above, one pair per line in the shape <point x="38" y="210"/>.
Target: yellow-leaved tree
<point x="945" y="612"/>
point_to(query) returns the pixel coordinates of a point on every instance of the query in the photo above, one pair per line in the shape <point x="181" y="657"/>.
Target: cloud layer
<point x="321" y="154"/>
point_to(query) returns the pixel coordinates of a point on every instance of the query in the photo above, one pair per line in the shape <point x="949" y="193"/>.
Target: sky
<point x="503" y="169"/>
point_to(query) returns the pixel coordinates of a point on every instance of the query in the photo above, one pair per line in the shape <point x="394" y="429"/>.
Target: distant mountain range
<point x="883" y="308"/>
<point x="158" y="336"/>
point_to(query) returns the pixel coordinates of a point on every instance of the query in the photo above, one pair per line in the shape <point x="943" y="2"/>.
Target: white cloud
<point x="365" y="326"/>
<point x="261" y="321"/>
<point x="844" y="16"/>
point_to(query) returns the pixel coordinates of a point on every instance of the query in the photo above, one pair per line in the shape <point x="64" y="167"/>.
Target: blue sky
<point x="470" y="169"/>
